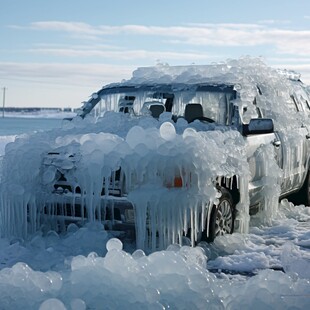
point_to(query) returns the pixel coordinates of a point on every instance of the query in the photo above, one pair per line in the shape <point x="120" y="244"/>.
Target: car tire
<point x="308" y="190"/>
<point x="222" y="217"/>
<point x="304" y="194"/>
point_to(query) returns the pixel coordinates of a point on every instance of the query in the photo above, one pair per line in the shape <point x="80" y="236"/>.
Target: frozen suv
<point x="188" y="150"/>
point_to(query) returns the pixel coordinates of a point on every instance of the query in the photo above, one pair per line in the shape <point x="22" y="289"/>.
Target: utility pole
<point x="4" y="89"/>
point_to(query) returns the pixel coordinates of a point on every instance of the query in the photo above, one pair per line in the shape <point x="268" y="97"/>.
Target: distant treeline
<point x="29" y="110"/>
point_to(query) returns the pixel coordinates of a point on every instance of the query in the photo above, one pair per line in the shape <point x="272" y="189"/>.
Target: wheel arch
<point x="232" y="185"/>
<point x="227" y="187"/>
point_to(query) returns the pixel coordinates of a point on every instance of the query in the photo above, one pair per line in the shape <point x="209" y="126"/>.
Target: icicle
<point x="192" y="228"/>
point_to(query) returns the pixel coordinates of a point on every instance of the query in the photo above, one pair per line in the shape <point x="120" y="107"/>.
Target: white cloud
<point x="274" y="21"/>
<point x="84" y="75"/>
<point x="121" y="54"/>
<point x="60" y="84"/>
<point x="284" y="40"/>
<point x="291" y="47"/>
<point x="57" y="84"/>
<point x="71" y="27"/>
<point x="290" y="60"/>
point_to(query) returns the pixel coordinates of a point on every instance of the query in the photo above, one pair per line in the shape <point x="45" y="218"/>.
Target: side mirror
<point x="258" y="126"/>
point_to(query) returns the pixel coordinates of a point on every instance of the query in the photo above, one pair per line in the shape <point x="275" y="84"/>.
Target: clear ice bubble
<point x="52" y="304"/>
<point x="189" y="132"/>
<point x="37" y="242"/>
<point x="174" y="247"/>
<point x="167" y="131"/>
<point x="52" y="238"/>
<point x="92" y="256"/>
<point x="114" y="244"/>
<point x="21" y="268"/>
<point x="135" y="136"/>
<point x="197" y="256"/>
<point x="55" y="280"/>
<point x="138" y="254"/>
<point x="77" y="304"/>
<point x="72" y="228"/>
<point x="79" y="262"/>
<point x="141" y="149"/>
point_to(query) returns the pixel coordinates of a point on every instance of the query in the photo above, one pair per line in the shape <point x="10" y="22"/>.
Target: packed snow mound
<point x="46" y="114"/>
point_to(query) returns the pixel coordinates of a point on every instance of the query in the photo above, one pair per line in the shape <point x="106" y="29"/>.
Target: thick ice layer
<point x="152" y="154"/>
<point x="252" y="78"/>
<point x="150" y="158"/>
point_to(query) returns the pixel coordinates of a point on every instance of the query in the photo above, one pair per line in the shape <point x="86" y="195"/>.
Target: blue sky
<point x="56" y="53"/>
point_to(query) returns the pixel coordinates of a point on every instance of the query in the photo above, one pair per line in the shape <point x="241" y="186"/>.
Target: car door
<point x="296" y="146"/>
<point x="263" y="152"/>
<point x="261" y="148"/>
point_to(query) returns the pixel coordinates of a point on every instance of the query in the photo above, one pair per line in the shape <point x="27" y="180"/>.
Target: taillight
<point x="177" y="182"/>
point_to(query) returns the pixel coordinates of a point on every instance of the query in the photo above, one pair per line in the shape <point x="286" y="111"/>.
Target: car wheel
<point x="221" y="219"/>
<point x="306" y="191"/>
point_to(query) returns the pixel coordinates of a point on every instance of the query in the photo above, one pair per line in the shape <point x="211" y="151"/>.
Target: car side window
<point x="304" y="101"/>
<point x="298" y="106"/>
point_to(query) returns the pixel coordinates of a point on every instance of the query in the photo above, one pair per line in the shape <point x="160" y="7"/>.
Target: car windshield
<point x="216" y="100"/>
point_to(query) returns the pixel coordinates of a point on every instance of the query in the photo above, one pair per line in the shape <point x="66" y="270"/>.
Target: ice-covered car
<point x="185" y="150"/>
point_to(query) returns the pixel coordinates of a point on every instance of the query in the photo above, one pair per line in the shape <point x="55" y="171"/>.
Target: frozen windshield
<point x="215" y="100"/>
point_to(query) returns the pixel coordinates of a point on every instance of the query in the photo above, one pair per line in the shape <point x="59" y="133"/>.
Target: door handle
<point x="276" y="143"/>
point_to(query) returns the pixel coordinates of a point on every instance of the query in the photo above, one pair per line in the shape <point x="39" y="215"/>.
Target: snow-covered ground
<point x="41" y="114"/>
<point x="86" y="268"/>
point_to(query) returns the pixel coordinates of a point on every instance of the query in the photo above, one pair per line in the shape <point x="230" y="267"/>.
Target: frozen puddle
<point x="76" y="271"/>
